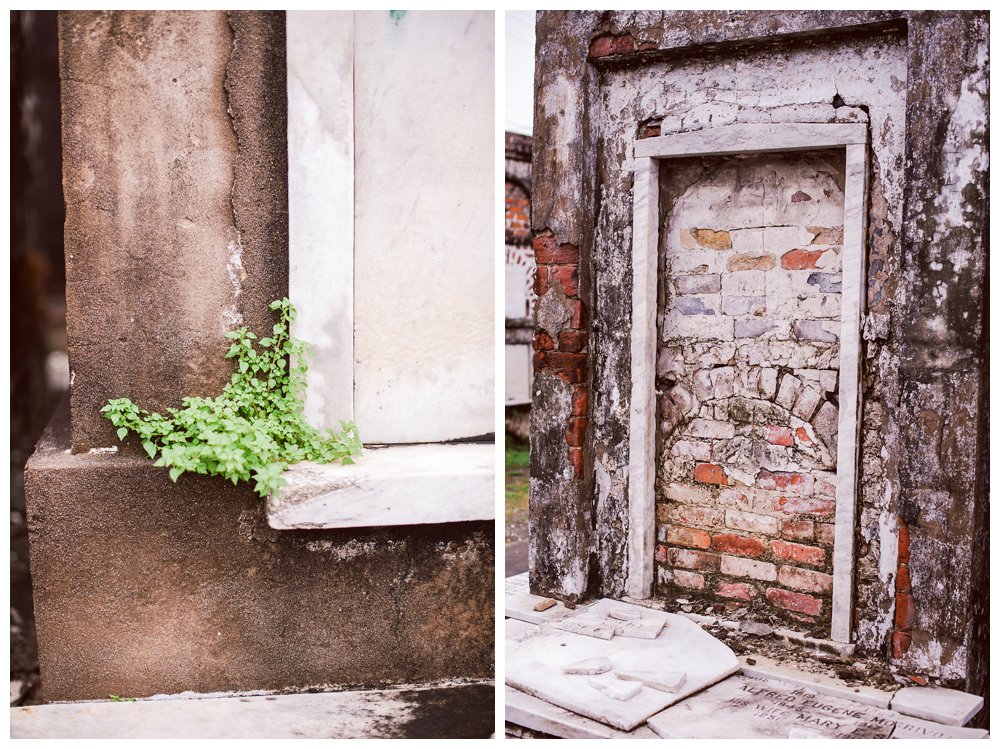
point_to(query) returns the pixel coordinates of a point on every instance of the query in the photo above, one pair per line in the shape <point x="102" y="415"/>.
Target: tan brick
<point x="711" y="429"/>
<point x="752" y="568"/>
<point x="692" y="515"/>
<point x="691" y="494"/>
<point x="715" y="240"/>
<point x="749" y="521"/>
<point x="751" y="262"/>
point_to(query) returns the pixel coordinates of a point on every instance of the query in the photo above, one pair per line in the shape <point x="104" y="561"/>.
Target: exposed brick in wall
<point x="517" y="214"/>
<point x="748" y="372"/>
<point x="561" y="333"/>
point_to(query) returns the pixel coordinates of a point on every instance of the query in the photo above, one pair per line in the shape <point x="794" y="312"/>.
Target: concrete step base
<point x="453" y="710"/>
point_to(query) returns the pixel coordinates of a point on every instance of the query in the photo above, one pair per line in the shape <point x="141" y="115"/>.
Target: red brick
<point x="807" y="580"/>
<point x="580" y="400"/>
<point x="900" y="643"/>
<point x="802" y="436"/>
<point x="576" y="431"/>
<point x="709" y="473"/>
<point x="801" y="197"/>
<point x="649" y="131"/>
<point x="786" y="599"/>
<point x="538" y="361"/>
<point x="576" y="460"/>
<point x="825" y="533"/>
<point x="798" y="553"/>
<point x="798" y="530"/>
<point x="568" y="277"/>
<point x="693" y="515"/>
<point x="903" y="579"/>
<point x="741" y="545"/>
<point x="601" y="46"/>
<point x="903" y="543"/>
<point x="801" y="259"/>
<point x="543" y="341"/>
<point x="779" y="436"/>
<point x="735" y="590"/>
<point x="794" y="483"/>
<point x="689" y="579"/>
<point x="579" y="317"/>
<point x="571" y="368"/>
<point x="624" y="44"/>
<point x="572" y="341"/>
<point x="805" y="506"/>
<point x="661" y="553"/>
<point x="692" y="537"/>
<point x="906" y="614"/>
<point x="548" y="252"/>
<point x="542" y="282"/>
<point x="702" y="561"/>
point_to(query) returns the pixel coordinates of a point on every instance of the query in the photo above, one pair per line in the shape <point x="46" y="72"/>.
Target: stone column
<point x="175" y="172"/>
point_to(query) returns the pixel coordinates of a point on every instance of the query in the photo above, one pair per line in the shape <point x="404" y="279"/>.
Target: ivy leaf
<point x="121" y="433"/>
<point x="174" y="473"/>
<point x="150" y="448"/>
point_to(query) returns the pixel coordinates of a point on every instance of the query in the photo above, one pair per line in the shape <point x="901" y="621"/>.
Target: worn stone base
<point x="427" y="711"/>
<point x="142" y="587"/>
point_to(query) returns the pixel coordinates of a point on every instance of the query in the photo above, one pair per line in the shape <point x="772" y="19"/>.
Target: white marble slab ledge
<point x="398" y="485"/>
<point x="538" y="715"/>
<point x="752" y="138"/>
<point x="948" y="706"/>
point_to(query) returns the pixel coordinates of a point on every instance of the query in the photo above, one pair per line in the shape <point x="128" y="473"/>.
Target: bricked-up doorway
<point x="748" y="256"/>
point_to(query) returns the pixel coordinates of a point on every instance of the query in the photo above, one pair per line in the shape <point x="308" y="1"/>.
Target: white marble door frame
<point x="652" y="154"/>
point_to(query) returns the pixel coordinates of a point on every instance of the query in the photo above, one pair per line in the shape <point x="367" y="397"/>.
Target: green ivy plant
<point x="255" y="429"/>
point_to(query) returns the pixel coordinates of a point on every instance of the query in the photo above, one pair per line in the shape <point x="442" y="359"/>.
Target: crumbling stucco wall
<point x="919" y="81"/>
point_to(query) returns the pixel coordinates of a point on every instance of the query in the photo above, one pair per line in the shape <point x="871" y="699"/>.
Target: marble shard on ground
<point x="538" y="715"/>
<point x="535" y="661"/>
<point x="949" y="706"/>
<point x="615" y="689"/>
<point x="522" y="606"/>
<point x="770" y="708"/>
<point x="641" y="629"/>
<point x="589" y="625"/>
<point x="600" y="665"/>
<point x="665" y="681"/>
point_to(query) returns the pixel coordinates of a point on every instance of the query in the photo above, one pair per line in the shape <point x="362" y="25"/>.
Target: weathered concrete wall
<point x="175" y="178"/>
<point x="919" y="81"/>
<point x="748" y="370"/>
<point x="143" y="587"/>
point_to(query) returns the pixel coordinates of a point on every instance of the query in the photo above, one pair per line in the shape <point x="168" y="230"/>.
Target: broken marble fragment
<point x="642" y="629"/>
<point x="598" y="665"/>
<point x="602" y="628"/>
<point x="616" y="690"/>
<point x="665" y="681"/>
<point x="624" y="615"/>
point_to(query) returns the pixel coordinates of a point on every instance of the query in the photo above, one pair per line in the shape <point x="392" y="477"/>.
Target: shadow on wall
<point x="39" y="368"/>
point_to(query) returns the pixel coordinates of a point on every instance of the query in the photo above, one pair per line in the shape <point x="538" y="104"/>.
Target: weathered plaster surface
<point x="173" y="142"/>
<point x="143" y="587"/>
<point x="919" y="81"/>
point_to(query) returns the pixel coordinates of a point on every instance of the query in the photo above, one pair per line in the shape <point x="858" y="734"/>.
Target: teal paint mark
<point x="397" y="15"/>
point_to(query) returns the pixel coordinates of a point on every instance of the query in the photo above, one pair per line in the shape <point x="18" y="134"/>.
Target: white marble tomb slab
<point x="535" y="661"/>
<point x="530" y="712"/>
<point x="751" y="707"/>
<point x="606" y="618"/>
<point x="949" y="706"/>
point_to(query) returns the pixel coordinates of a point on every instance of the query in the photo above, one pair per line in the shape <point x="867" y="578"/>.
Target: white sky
<point x="520" y="70"/>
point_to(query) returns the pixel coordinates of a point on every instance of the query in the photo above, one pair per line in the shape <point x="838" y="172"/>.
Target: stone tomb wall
<point x="747" y="375"/>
